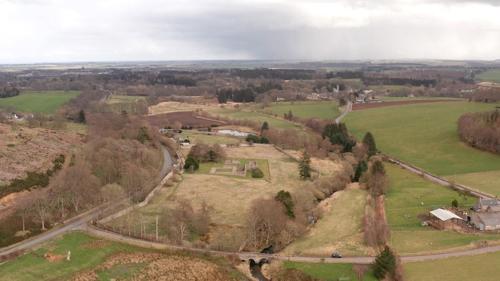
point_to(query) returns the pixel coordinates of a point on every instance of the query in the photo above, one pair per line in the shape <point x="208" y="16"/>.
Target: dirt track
<point x="361" y="106"/>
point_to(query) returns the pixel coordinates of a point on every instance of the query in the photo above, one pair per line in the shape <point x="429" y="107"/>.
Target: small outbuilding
<point x="486" y="220"/>
<point x="444" y="218"/>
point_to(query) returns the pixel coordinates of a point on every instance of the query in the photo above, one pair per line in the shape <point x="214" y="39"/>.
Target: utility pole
<point x="157" y="228"/>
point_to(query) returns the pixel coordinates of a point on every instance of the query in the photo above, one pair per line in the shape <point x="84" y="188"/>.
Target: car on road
<point x="336" y="255"/>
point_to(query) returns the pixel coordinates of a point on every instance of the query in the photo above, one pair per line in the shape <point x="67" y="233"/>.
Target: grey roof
<point x="490" y="219"/>
<point x="489" y="202"/>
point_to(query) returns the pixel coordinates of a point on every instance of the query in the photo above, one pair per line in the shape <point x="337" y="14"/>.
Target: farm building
<point x="486" y="220"/>
<point x="444" y="219"/>
<point x="487" y="205"/>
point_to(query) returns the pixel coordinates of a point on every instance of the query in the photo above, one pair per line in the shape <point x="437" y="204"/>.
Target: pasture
<point x="96" y="259"/>
<point x="255" y="116"/>
<point x="409" y="196"/>
<point x="490" y="76"/>
<point x="481" y="267"/>
<point x="203" y="137"/>
<point x="47" y="102"/>
<point x="340" y="228"/>
<point x="425" y="135"/>
<point x="307" y="109"/>
<point x="329" y="272"/>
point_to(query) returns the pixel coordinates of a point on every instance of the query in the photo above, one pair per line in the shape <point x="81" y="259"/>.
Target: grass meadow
<point x="425" y="135"/>
<point x="33" y="266"/>
<point x="258" y="117"/>
<point x="409" y="196"/>
<point x="490" y="76"/>
<point x="307" y="109"/>
<point x="47" y="102"/>
<point x="481" y="267"/>
<point x="329" y="272"/>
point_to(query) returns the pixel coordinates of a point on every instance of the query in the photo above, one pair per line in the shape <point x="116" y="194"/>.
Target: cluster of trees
<point x="338" y="135"/>
<point x="236" y="95"/>
<point x="487" y="95"/>
<point x="387" y="266"/>
<point x="265" y="73"/>
<point x="481" y="130"/>
<point x="376" y="229"/>
<point x="184" y="221"/>
<point x="203" y="153"/>
<point x="8" y="91"/>
<point x="166" y="78"/>
<point x="251" y="138"/>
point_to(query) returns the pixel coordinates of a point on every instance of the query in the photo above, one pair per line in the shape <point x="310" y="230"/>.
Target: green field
<point x="34" y="266"/>
<point x="481" y="268"/>
<point x="490" y="76"/>
<point x="308" y="109"/>
<point x="425" y="135"/>
<point x="200" y="137"/>
<point x="409" y="196"/>
<point x="256" y="117"/>
<point x="329" y="272"/>
<point x="88" y="254"/>
<point x="38" y="102"/>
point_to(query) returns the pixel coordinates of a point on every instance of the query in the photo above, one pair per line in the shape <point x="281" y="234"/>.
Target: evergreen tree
<point x="369" y="142"/>
<point x="385" y="263"/>
<point x="265" y="127"/>
<point x="81" y="117"/>
<point x="360" y="169"/>
<point x="338" y="135"/>
<point x="191" y="164"/>
<point x="285" y="198"/>
<point x="305" y="166"/>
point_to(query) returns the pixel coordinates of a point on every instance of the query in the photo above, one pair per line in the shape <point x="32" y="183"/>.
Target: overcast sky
<point x="131" y="30"/>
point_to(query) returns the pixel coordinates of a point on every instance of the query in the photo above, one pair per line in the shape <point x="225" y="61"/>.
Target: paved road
<point x="348" y="108"/>
<point x="256" y="256"/>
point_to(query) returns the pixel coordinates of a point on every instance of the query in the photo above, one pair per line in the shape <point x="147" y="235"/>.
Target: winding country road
<point x="348" y="108"/>
<point x="81" y="223"/>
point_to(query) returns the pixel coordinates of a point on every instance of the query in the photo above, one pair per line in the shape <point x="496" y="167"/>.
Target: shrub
<point x="257" y="173"/>
<point x="285" y="198"/>
<point x="191" y="164"/>
<point x="454" y="203"/>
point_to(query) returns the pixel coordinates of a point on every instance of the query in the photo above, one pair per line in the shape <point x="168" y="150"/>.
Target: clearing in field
<point x="38" y="102"/>
<point x="481" y="267"/>
<point x="96" y="259"/>
<point x="330" y="272"/>
<point x="236" y="167"/>
<point x="409" y="196"/>
<point x="340" y="228"/>
<point x="307" y="109"/>
<point x="425" y="135"/>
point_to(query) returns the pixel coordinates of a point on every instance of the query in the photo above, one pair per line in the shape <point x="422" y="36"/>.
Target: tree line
<point x="481" y="130"/>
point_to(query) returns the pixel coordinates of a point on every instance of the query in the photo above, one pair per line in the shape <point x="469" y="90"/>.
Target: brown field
<point x="230" y="197"/>
<point x="185" y="118"/>
<point x="361" y="106"/>
<point x="174" y="106"/>
<point x="156" y="266"/>
<point x="24" y="149"/>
